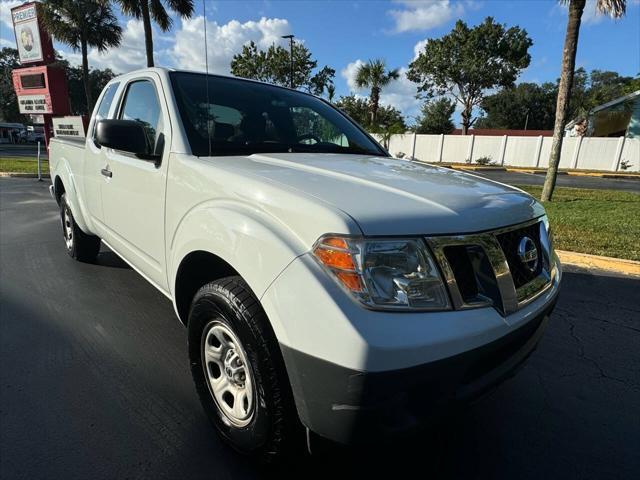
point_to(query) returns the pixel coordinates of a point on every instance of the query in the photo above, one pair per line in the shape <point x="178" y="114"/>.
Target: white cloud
<point x="130" y="55"/>
<point x="349" y="74"/>
<point x="423" y="14"/>
<point x="6" y="24"/>
<point x="399" y="93"/>
<point x="418" y="48"/>
<point x="224" y="41"/>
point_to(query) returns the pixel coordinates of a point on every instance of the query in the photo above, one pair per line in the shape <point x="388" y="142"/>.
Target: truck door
<point x="94" y="159"/>
<point x="133" y="190"/>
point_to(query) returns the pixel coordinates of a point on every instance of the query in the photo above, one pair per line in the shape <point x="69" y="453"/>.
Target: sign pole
<point x="39" y="168"/>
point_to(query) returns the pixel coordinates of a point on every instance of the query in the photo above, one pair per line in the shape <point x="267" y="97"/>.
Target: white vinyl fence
<point x="587" y="153"/>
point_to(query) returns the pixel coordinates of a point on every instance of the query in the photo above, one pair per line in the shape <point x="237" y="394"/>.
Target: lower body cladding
<point x="360" y="376"/>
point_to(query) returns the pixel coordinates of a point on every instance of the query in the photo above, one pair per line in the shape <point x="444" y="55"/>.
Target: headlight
<point x="385" y="273"/>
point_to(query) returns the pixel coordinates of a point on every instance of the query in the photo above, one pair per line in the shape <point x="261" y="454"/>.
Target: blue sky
<point x="341" y="33"/>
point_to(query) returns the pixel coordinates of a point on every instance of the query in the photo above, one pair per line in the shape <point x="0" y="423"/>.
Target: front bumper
<point x="355" y="407"/>
<point x="358" y="375"/>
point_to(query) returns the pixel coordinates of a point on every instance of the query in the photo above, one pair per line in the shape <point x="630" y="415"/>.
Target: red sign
<point x="41" y="90"/>
<point x="34" y="44"/>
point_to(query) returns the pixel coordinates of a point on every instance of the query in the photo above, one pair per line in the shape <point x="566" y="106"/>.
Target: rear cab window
<point x="103" y="108"/>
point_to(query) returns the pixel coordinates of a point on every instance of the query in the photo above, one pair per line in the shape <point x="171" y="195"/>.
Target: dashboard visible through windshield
<point x="238" y="117"/>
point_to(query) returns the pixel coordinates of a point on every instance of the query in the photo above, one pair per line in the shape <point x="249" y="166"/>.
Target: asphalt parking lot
<point x="95" y="381"/>
<point x="571" y="181"/>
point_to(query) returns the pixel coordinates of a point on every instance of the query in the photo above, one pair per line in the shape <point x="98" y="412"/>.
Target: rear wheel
<point x="239" y="373"/>
<point x="81" y="246"/>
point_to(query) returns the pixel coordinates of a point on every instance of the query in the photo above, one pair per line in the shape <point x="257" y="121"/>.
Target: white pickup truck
<point x="327" y="288"/>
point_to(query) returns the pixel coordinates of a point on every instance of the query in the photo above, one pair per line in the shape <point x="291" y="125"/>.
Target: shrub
<point x="484" y="161"/>
<point x="625" y="165"/>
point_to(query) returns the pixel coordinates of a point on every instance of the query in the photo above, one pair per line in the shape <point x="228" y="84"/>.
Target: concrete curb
<point x="584" y="260"/>
<point x="23" y="175"/>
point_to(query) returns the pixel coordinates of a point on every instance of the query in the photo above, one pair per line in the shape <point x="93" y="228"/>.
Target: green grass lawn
<point x="599" y="222"/>
<point x="22" y="165"/>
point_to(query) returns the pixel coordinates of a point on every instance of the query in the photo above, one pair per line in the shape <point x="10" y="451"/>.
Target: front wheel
<point x="239" y="373"/>
<point x="81" y="246"/>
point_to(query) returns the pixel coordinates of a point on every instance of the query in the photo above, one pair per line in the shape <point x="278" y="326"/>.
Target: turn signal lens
<point x="350" y="280"/>
<point x="334" y="252"/>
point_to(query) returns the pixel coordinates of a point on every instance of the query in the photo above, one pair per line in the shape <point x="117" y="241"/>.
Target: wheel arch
<point x="196" y="270"/>
<point x="58" y="189"/>
<point x="215" y="240"/>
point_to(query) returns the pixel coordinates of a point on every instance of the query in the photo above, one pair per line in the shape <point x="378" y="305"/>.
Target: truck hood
<point x="387" y="196"/>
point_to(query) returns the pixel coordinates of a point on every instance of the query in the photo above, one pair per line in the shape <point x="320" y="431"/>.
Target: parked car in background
<point x="325" y="286"/>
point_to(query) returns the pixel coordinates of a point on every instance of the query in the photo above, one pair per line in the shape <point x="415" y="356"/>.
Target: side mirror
<point x="124" y="135"/>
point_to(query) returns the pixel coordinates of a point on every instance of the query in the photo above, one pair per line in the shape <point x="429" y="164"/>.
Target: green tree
<point x="615" y="8"/>
<point x="155" y="10"/>
<point x="8" y="101"/>
<point x="97" y="81"/>
<point x="331" y="92"/>
<point x="435" y="117"/>
<point x="323" y="81"/>
<point x="82" y="24"/>
<point x="358" y="109"/>
<point x="375" y="76"/>
<point x="468" y="61"/>
<point x="527" y="104"/>
<point x="274" y="66"/>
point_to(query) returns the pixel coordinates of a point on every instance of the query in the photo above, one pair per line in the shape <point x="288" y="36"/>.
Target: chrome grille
<point x="484" y="269"/>
<point x="509" y="242"/>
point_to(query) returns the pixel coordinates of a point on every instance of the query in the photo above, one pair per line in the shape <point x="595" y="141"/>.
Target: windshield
<point x="244" y="117"/>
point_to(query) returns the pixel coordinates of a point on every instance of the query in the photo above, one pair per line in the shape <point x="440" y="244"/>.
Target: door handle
<point x="106" y="172"/>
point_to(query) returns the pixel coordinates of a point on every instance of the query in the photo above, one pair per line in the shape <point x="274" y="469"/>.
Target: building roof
<point x="604" y="106"/>
<point x="501" y="132"/>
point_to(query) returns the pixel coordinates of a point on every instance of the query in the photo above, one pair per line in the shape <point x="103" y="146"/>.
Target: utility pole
<point x="290" y="37"/>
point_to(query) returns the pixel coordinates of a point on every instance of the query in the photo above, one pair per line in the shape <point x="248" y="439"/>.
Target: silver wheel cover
<point x="228" y="373"/>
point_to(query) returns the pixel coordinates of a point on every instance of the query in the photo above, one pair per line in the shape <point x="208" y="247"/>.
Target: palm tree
<point x="614" y="8"/>
<point x="375" y="76"/>
<point x="331" y="92"/>
<point x="82" y="24"/>
<point x="155" y="10"/>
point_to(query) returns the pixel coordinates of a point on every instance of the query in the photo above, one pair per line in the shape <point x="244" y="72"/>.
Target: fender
<point x="257" y="245"/>
<point x="74" y="199"/>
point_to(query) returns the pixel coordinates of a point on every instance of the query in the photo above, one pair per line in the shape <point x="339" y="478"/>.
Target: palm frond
<point x="75" y="21"/>
<point x="182" y="7"/>
<point x="130" y="7"/>
<point x="159" y="15"/>
<point x="613" y="8"/>
<point x="363" y="76"/>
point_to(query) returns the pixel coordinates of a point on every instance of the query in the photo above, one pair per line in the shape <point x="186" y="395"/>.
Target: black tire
<point x="81" y="246"/>
<point x="274" y="431"/>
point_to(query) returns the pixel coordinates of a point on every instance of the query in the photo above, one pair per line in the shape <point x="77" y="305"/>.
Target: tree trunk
<point x="375" y="101"/>
<point x="576" y="7"/>
<point x="85" y="75"/>
<point x="148" y="36"/>
<point x="466" y="118"/>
